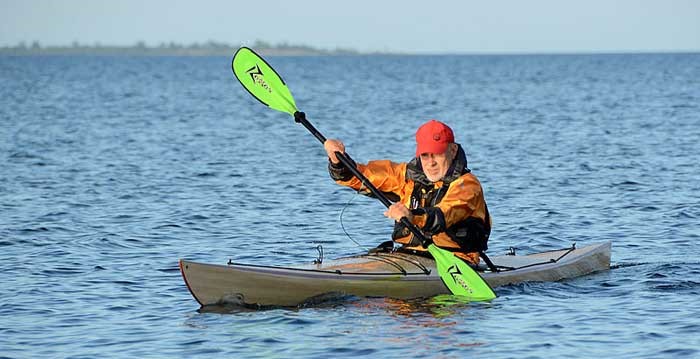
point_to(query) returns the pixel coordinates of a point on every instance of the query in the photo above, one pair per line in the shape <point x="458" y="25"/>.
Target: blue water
<point x="113" y="168"/>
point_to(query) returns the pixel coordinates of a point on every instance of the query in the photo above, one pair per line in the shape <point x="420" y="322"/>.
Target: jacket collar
<point x="414" y="169"/>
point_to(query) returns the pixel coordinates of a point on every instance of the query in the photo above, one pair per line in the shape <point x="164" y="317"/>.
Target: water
<point x="113" y="168"/>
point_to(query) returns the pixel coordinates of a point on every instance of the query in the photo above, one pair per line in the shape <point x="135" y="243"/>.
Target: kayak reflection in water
<point x="436" y="191"/>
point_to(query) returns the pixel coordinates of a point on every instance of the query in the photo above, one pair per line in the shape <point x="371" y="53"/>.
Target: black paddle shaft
<point x="300" y="117"/>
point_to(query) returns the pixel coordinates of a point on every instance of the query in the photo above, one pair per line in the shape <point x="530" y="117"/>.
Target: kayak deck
<point x="396" y="275"/>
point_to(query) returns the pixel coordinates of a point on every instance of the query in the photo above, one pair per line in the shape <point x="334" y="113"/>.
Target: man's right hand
<point x="332" y="146"/>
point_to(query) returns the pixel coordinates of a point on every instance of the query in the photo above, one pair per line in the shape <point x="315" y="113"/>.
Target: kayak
<point x="384" y="274"/>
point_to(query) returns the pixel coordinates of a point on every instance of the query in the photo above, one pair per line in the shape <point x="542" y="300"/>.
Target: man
<point x="435" y="191"/>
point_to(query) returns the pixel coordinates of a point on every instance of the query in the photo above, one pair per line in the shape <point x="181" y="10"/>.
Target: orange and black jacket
<point x="452" y="212"/>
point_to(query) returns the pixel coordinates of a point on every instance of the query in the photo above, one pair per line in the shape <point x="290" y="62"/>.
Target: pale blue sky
<point x="407" y="26"/>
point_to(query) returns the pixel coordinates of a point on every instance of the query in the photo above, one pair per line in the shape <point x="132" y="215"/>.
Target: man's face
<point x="435" y="165"/>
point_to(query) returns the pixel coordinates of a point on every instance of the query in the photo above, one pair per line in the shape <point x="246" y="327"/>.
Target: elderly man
<point x="435" y="191"/>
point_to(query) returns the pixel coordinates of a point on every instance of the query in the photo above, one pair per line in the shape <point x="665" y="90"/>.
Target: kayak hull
<point x="395" y="275"/>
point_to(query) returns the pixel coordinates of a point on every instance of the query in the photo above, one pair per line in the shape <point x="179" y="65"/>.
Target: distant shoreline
<point x="170" y="49"/>
<point x="222" y="49"/>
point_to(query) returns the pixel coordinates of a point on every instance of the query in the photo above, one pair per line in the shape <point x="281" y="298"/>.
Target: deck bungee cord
<point x="393" y="258"/>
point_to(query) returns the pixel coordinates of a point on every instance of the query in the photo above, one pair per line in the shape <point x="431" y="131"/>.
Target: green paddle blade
<point x="262" y="81"/>
<point x="459" y="277"/>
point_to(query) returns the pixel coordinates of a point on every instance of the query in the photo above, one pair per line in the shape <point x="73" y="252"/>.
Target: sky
<point x="410" y="26"/>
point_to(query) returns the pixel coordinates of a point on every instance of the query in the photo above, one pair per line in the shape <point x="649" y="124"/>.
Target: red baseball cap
<point x="433" y="137"/>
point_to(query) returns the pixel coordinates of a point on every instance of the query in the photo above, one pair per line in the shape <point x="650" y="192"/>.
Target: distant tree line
<point x="208" y="48"/>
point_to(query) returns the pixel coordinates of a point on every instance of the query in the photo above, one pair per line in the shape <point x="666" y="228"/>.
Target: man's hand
<point x="397" y="210"/>
<point x="332" y="146"/>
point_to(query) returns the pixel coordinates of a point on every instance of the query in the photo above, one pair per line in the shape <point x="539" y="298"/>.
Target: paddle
<point x="266" y="85"/>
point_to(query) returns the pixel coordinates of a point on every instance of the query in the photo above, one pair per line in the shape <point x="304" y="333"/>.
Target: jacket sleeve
<point x="339" y="172"/>
<point x="464" y="199"/>
<point x="387" y="176"/>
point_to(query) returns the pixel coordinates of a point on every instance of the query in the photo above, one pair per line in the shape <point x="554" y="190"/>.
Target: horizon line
<point x="214" y="48"/>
